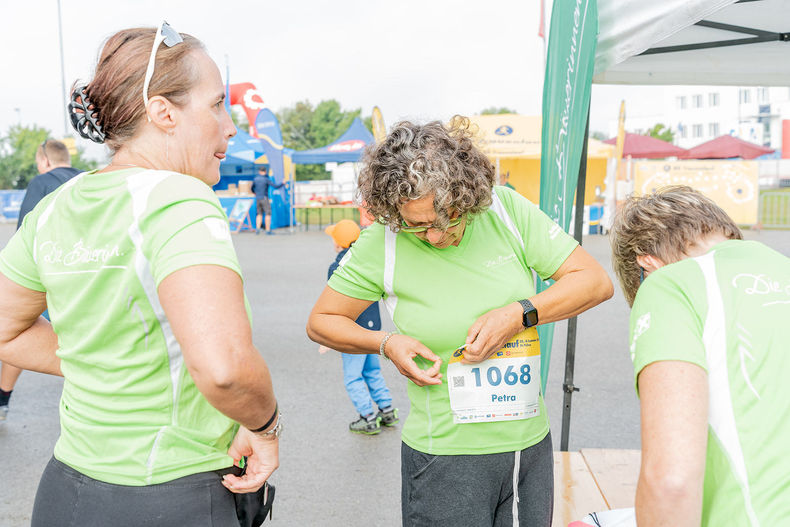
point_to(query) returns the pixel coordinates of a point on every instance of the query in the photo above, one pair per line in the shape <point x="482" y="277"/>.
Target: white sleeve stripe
<point x="390" y="242"/>
<point x="140" y="187"/>
<point x="721" y="414"/>
<point x="499" y="209"/>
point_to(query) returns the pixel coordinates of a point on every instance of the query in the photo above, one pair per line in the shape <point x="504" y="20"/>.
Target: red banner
<point x="248" y="96"/>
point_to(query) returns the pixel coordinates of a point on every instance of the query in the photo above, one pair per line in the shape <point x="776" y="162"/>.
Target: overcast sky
<point x="417" y="59"/>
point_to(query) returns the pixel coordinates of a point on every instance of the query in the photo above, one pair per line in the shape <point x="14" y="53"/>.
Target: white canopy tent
<point x="692" y="42"/>
<point x="677" y="42"/>
<point x="706" y="42"/>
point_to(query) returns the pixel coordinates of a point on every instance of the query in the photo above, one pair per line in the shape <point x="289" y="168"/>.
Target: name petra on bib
<point x="502" y="398"/>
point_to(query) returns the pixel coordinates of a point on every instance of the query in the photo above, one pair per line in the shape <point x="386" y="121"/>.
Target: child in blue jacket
<point x="361" y="371"/>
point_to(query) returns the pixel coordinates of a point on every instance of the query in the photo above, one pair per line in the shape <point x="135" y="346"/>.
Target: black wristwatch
<point x="530" y="316"/>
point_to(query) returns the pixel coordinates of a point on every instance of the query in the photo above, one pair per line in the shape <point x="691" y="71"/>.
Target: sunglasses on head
<point x="170" y="37"/>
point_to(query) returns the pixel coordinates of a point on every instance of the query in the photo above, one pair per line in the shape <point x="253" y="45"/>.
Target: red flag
<point x="541" y="27"/>
<point x="246" y="94"/>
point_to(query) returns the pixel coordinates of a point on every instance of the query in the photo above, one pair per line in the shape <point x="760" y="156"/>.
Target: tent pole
<point x="570" y="348"/>
<point x="292" y="202"/>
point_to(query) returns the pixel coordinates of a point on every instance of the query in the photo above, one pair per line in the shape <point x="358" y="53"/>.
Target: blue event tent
<point x="239" y="163"/>
<point x="244" y="147"/>
<point x="348" y="148"/>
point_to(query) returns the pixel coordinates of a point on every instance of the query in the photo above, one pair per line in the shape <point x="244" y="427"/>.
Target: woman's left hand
<point x="263" y="458"/>
<point x="491" y="331"/>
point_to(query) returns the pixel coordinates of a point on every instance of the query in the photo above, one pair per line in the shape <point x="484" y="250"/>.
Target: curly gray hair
<point x="415" y="161"/>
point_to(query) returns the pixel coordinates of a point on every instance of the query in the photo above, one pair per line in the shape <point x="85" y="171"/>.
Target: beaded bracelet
<point x="384" y="344"/>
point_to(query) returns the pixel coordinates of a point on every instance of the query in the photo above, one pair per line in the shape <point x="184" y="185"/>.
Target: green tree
<point x="79" y="160"/>
<point x="239" y="118"/>
<point x="18" y="156"/>
<point x="295" y="124"/>
<point x="600" y="136"/>
<point x="493" y="110"/>
<point x="305" y="127"/>
<point x="660" y="131"/>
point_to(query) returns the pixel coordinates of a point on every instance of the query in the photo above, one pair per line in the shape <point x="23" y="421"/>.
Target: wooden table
<point x="593" y="480"/>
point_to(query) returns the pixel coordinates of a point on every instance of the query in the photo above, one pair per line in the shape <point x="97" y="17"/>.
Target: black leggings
<point x="69" y="498"/>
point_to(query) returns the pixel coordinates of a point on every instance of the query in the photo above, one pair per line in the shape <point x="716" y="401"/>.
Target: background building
<point x="697" y="114"/>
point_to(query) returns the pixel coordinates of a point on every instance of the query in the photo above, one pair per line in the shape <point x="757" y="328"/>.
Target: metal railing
<point x="775" y="209"/>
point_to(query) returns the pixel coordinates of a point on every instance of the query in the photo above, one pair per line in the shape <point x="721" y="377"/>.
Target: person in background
<point x="453" y="258"/>
<point x="504" y="180"/>
<point x="54" y="168"/>
<point x="362" y="372"/>
<point x="164" y="391"/>
<point x="709" y="342"/>
<point x="260" y="186"/>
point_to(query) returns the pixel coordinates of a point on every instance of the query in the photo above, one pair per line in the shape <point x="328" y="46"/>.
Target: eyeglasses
<point x="408" y="228"/>
<point x="170" y="37"/>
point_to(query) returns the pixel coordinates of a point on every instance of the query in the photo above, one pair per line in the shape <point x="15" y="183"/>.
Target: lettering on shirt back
<point x="80" y="253"/>
<point x="762" y="284"/>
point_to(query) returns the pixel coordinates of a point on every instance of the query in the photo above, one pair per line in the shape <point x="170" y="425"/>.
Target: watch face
<point x="531" y="318"/>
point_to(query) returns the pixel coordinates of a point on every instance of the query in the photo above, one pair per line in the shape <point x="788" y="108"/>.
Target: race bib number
<point x="504" y="387"/>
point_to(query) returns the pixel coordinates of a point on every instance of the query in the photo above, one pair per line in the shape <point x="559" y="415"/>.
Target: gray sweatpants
<point x="68" y="498"/>
<point x="477" y="490"/>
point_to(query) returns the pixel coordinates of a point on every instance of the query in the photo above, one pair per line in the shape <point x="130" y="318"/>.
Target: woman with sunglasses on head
<point x="164" y="391"/>
<point x="452" y="257"/>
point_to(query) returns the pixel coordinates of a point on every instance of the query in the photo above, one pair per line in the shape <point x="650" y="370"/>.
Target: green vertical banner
<point x="573" y="35"/>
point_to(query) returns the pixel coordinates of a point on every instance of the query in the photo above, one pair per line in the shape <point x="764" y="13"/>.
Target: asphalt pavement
<point x="328" y="476"/>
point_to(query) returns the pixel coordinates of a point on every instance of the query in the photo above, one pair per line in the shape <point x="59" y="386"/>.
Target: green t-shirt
<point x="99" y="246"/>
<point x="729" y="312"/>
<point x="435" y="295"/>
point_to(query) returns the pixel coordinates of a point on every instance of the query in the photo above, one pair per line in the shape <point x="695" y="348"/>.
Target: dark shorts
<point x="68" y="498"/>
<point x="264" y="207"/>
<point x="477" y="490"/>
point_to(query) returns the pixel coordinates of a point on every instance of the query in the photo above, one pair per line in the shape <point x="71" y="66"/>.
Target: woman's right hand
<point x="402" y="349"/>
<point x="263" y="458"/>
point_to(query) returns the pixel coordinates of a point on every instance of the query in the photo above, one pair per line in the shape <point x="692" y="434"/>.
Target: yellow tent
<point x="512" y="142"/>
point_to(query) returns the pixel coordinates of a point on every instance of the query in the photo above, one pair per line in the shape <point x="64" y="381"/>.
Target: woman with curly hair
<point x="452" y="256"/>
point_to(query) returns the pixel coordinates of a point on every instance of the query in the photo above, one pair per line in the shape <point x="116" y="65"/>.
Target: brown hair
<point x="56" y="152"/>
<point x="664" y="224"/>
<point x="116" y="91"/>
<point x="415" y="161"/>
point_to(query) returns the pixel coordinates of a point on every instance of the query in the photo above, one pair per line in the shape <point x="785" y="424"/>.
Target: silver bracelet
<point x="383" y="344"/>
<point x="276" y="430"/>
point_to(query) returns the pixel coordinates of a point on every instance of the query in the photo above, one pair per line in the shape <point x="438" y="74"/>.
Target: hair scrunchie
<point x="85" y="116"/>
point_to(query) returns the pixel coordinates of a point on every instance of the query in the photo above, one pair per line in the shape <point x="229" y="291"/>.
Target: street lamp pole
<point x="62" y="76"/>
